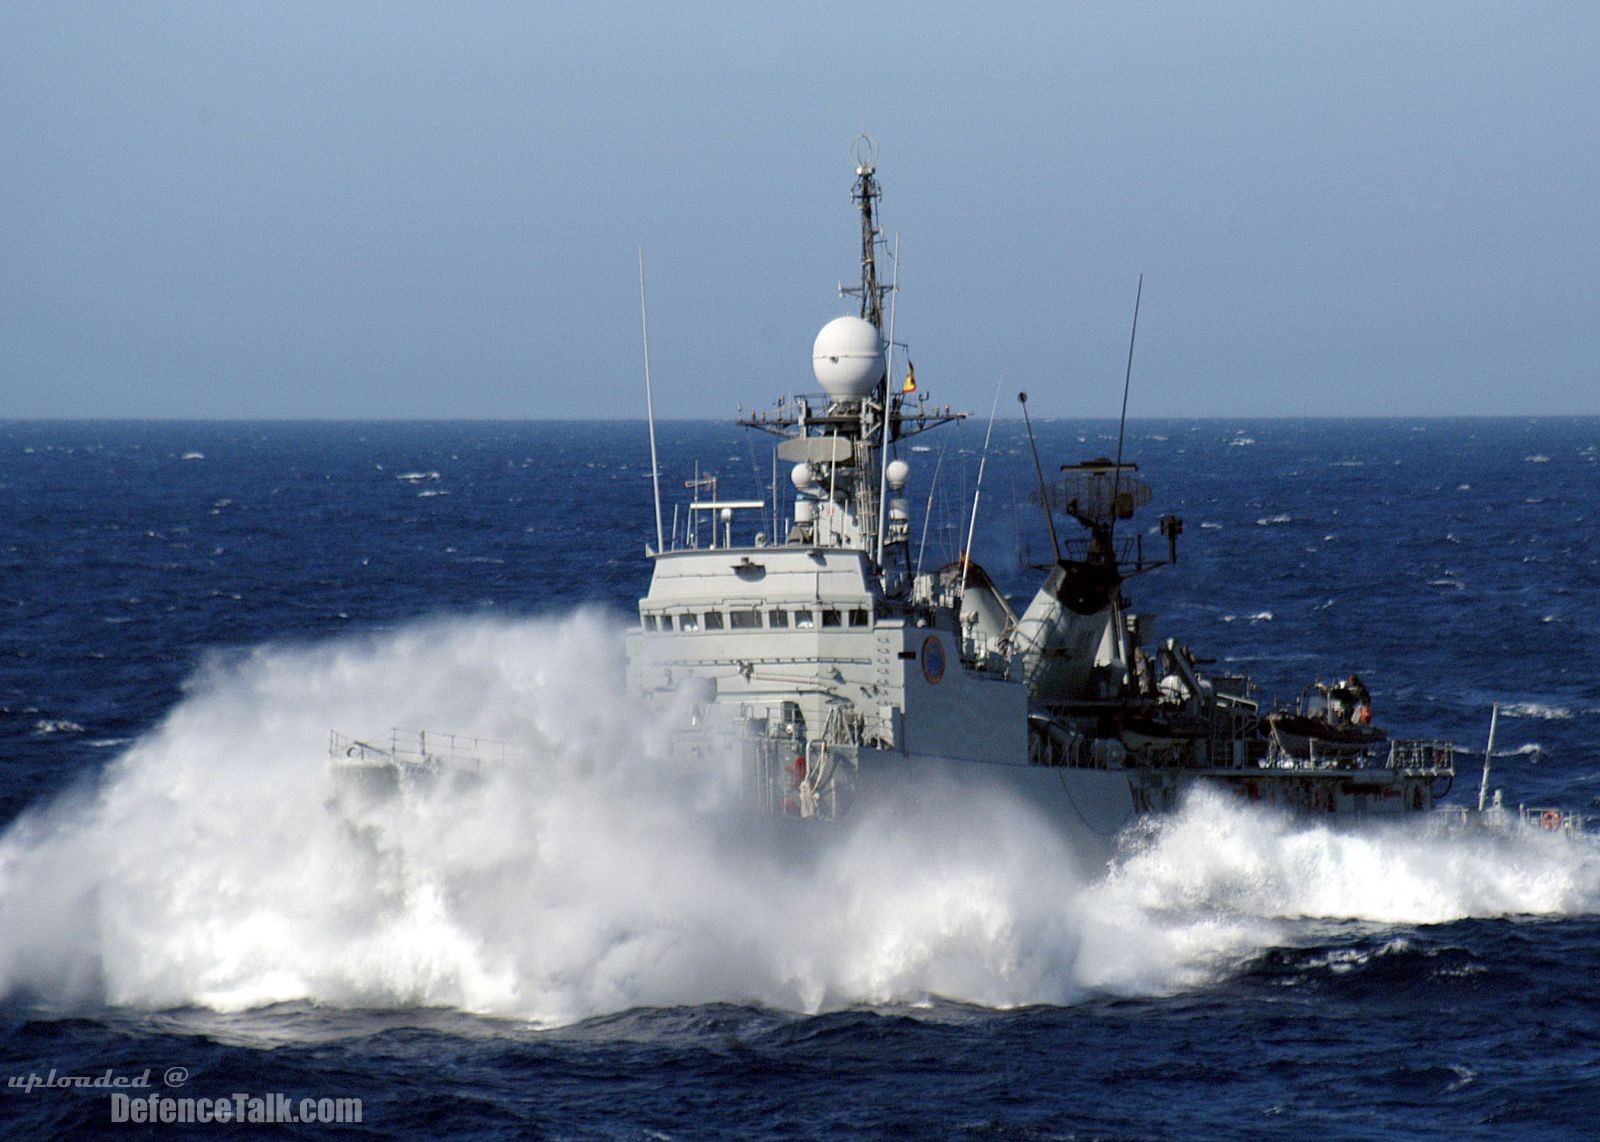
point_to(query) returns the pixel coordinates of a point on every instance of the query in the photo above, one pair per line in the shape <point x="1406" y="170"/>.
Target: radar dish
<point x="1086" y="491"/>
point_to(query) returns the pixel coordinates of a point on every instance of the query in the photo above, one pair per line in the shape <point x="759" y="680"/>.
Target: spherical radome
<point x="847" y="357"/>
<point x="899" y="472"/>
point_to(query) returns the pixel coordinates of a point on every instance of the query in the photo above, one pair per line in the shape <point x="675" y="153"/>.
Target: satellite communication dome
<point x="847" y="357"/>
<point x="801" y="476"/>
<point x="899" y="472"/>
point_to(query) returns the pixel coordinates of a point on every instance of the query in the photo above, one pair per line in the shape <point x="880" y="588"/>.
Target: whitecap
<point x="1535" y="710"/>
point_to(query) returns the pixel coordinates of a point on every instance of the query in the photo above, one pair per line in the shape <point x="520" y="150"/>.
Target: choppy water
<point x="586" y="942"/>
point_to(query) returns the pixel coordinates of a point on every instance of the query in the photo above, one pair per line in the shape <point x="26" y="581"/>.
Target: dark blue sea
<point x="583" y="945"/>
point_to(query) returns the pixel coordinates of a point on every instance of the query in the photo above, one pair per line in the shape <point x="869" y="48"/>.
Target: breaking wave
<point x="1230" y="860"/>
<point x="215" y="864"/>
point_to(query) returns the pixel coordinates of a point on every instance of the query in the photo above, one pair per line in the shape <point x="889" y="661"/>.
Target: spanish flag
<point x="911" y="378"/>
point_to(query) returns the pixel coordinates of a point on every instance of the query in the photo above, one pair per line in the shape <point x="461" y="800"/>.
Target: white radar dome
<point x="802" y="476"/>
<point x="847" y="357"/>
<point x="899" y="472"/>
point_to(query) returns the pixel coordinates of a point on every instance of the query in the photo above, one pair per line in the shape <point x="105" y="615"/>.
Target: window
<point x="688" y="622"/>
<point x="777" y="618"/>
<point x="860" y="618"/>
<point x="830" y="618"/>
<point x="744" y="620"/>
<point x="649" y="622"/>
<point x="713" y="620"/>
<point x="804" y="620"/>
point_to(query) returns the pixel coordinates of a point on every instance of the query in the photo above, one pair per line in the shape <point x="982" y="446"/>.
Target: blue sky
<point x="403" y="210"/>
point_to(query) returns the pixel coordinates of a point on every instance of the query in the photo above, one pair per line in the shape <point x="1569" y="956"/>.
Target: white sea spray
<point x="215" y="864"/>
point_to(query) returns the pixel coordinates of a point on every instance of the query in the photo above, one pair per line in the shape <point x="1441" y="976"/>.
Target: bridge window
<point x="830" y="618"/>
<point x="650" y="622"/>
<point x="860" y="618"/>
<point x="688" y="622"/>
<point x="744" y="620"/>
<point x="713" y="620"/>
<point x="804" y="620"/>
<point x="777" y="618"/>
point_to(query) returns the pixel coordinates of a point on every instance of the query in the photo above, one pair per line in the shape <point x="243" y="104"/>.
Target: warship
<point x="805" y="640"/>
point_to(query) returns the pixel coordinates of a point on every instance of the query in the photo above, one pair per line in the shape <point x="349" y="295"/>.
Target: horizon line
<point x="4" y="421"/>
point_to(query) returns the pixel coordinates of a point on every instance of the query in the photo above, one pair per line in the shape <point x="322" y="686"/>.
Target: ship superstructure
<point x="816" y="650"/>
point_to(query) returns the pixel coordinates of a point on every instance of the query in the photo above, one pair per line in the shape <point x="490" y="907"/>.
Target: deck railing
<point x="1423" y="756"/>
<point x="421" y="748"/>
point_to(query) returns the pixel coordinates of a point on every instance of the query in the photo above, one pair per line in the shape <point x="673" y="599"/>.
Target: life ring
<point x="1550" y="819"/>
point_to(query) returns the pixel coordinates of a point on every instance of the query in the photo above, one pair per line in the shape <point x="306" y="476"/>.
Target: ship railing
<point x="1551" y="819"/>
<point x="1130" y="553"/>
<point x="1422" y="756"/>
<point x="421" y="749"/>
<point x="1534" y="818"/>
<point x="1279" y="756"/>
<point x="982" y="660"/>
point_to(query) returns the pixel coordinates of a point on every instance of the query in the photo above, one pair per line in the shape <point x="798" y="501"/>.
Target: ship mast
<point x="865" y="195"/>
<point x="842" y="447"/>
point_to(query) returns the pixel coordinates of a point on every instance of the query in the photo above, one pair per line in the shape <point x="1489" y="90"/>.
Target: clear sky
<point x="370" y="210"/>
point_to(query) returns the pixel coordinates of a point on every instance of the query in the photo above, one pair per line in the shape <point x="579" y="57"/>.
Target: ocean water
<point x="584" y="942"/>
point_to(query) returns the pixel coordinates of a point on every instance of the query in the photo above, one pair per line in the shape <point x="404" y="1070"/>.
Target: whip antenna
<point x="927" y="514"/>
<point x="1122" y="425"/>
<point x="1044" y="492"/>
<point x="972" y="525"/>
<point x="1488" y="753"/>
<point x="650" y="406"/>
